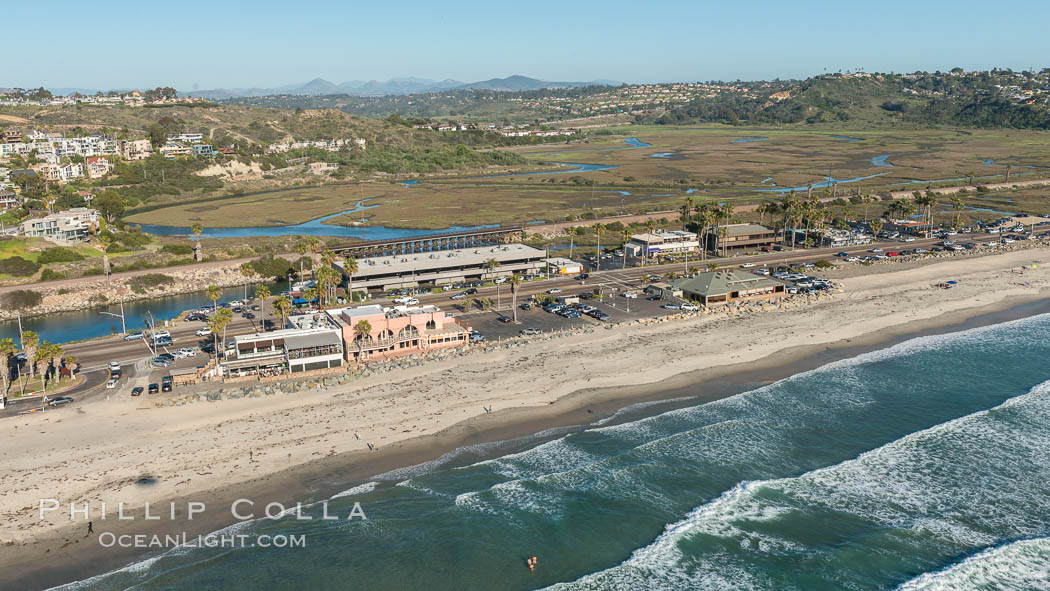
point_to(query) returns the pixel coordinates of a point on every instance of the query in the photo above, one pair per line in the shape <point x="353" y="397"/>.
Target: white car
<point x="500" y="280"/>
<point x="160" y="334"/>
<point x="852" y="259"/>
<point x="690" y="308"/>
<point x="761" y="271"/>
<point x="630" y="295"/>
<point x="553" y="290"/>
<point x="407" y="301"/>
<point x="203" y="332"/>
<point x="114" y="366"/>
<point x="185" y="352"/>
<point x="747" y="266"/>
<point x="112" y="383"/>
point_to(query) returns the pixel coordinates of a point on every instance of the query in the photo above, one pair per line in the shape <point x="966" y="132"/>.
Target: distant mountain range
<point x="394" y="86"/>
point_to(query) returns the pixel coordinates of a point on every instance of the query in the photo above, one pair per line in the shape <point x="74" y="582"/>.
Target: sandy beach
<point x="309" y="445"/>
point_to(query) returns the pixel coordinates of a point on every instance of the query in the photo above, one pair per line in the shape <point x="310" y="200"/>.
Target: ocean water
<point x="925" y="465"/>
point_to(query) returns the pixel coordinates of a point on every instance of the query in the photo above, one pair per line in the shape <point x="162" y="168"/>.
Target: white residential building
<point x="70" y="226"/>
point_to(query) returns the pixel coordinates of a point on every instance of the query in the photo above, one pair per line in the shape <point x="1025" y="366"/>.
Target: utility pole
<point x="123" y="325"/>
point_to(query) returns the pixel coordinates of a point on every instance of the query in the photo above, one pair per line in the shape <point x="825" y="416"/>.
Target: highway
<point x="94" y="356"/>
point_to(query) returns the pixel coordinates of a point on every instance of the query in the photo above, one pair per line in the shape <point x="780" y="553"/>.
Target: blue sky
<point x="121" y="44"/>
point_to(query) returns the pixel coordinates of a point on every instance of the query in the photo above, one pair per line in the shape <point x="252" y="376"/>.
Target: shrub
<point x="59" y="254"/>
<point x="20" y="299"/>
<point x="141" y="283"/>
<point x="51" y="275"/>
<point x="18" y="266"/>
<point x="177" y="249"/>
<point x="270" y="266"/>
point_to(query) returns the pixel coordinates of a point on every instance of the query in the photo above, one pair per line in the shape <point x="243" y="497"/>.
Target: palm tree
<point x="866" y="199"/>
<point x="958" y="206"/>
<point x="515" y="284"/>
<point x="598" y="228"/>
<point x="362" y="331"/>
<point x="283" y="307"/>
<point x="7" y="349"/>
<point x="54" y="356"/>
<point x="626" y="235"/>
<point x="876" y="226"/>
<point x="727" y="212"/>
<point x="214" y="292"/>
<point x="262" y="293"/>
<point x="248" y="271"/>
<point x="310" y="294"/>
<point x="327" y="278"/>
<point x="71" y="363"/>
<point x="197" y="230"/>
<point x="30" y="344"/>
<point x="42" y="354"/>
<point x="350" y="268"/>
<point x="572" y="231"/>
<point x="217" y="323"/>
<point x="1009" y="167"/>
<point x="712" y="266"/>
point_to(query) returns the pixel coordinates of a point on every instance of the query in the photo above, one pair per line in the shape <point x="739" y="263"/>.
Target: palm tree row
<point x="43" y="358"/>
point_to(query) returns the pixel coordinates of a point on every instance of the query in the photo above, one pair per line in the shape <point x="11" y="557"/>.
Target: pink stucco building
<point x="400" y="330"/>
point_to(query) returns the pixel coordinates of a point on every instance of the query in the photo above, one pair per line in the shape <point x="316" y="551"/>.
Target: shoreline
<point x="202" y="452"/>
<point x="323" y="478"/>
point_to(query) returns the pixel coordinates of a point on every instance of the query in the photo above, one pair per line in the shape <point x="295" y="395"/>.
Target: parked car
<point x="469" y="291"/>
<point x="163" y="342"/>
<point x="528" y="332"/>
<point x="690" y="308"/>
<point x="671" y="307"/>
<point x="630" y="295"/>
<point x="154" y="388"/>
<point x="160" y="334"/>
<point x="506" y="319"/>
<point x="476" y="337"/>
<point x="582" y="276"/>
<point x="136" y="391"/>
<point x="526" y="306"/>
<point x="165" y="384"/>
<point x="203" y="332"/>
<point x="112" y="383"/>
<point x="59" y="400"/>
<point x="747" y="266"/>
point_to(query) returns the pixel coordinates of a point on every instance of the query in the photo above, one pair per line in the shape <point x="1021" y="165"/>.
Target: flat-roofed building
<point x="661" y="242"/>
<point x="70" y="225"/>
<point x="742" y="236"/>
<point x="292" y="350"/>
<point x="374" y="332"/>
<point x="447" y="266"/>
<point x="563" y="266"/>
<point x="714" y="288"/>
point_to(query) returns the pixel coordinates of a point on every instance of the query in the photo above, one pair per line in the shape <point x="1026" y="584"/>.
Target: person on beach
<point x="91" y="528"/>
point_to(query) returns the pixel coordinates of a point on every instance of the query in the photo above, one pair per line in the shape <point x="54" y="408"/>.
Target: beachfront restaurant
<point x="374" y="332"/>
<point x="283" y="351"/>
<point x="724" y="286"/>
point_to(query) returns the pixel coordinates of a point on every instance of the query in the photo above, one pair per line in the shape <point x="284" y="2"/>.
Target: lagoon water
<point x="920" y="466"/>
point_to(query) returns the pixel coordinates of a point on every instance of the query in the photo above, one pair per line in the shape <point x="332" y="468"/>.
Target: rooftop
<point x="429" y="261"/>
<point x="723" y="281"/>
<point x="661" y="236"/>
<point x="743" y="229"/>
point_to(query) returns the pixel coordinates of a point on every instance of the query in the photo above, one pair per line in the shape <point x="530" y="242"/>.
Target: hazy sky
<point x="121" y="44"/>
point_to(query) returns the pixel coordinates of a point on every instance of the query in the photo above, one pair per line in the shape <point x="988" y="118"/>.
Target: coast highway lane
<point x="95" y="355"/>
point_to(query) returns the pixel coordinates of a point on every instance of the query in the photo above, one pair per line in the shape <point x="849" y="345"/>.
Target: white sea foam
<point x="357" y="490"/>
<point x="953" y="485"/>
<point x="1023" y="565"/>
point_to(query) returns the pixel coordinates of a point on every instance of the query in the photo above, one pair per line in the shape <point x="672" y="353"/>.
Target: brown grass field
<point x="702" y="158"/>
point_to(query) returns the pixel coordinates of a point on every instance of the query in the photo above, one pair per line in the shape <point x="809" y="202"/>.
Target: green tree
<point x="283" y="306"/>
<point x="214" y="292"/>
<point x="198" y="253"/>
<point x="30" y="344"/>
<point x="362" y="332"/>
<point x="110" y="204"/>
<point x="350" y="268"/>
<point x="515" y="285"/>
<point x="218" y="323"/>
<point x="7" y="349"/>
<point x="263" y="293"/>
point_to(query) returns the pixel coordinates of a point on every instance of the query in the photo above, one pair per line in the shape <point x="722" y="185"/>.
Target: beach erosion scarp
<point x="311" y="443"/>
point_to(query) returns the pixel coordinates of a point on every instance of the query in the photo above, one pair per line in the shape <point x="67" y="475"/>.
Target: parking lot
<point x="613" y="303"/>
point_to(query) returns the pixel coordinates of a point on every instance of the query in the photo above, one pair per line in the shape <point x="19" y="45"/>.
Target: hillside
<point x="221" y="123"/>
<point x="979" y="99"/>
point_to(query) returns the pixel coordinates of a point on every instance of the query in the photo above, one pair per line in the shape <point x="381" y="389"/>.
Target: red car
<point x="893" y="254"/>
